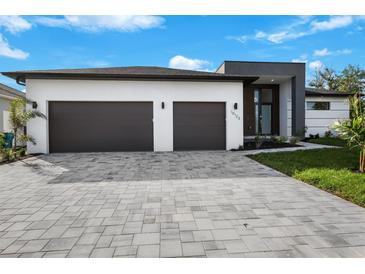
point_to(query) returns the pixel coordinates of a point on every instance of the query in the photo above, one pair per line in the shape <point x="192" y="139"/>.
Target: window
<point x="318" y="105"/>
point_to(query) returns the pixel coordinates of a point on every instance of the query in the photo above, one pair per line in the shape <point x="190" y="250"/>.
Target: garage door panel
<point x="199" y="126"/>
<point x="100" y="126"/>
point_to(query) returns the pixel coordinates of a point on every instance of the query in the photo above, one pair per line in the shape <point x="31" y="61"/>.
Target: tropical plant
<point x="2" y="146"/>
<point x="18" y="118"/>
<point x="353" y="130"/>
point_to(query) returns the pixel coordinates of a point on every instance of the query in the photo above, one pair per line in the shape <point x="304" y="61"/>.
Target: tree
<point x="351" y="79"/>
<point x="18" y="118"/>
<point x="353" y="130"/>
<point x="325" y="78"/>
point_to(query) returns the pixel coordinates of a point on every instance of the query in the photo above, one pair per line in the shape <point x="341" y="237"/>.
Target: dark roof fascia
<point x="338" y="94"/>
<point x="265" y="62"/>
<point x="90" y="76"/>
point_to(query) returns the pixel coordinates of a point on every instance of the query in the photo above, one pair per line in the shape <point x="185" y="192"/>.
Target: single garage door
<point x="199" y="126"/>
<point x="100" y="126"/>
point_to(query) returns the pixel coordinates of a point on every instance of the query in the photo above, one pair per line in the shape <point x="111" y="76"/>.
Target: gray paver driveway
<point x="182" y="204"/>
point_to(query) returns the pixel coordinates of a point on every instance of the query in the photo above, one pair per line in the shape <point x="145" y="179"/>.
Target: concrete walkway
<point x="303" y="146"/>
<point x="182" y="204"/>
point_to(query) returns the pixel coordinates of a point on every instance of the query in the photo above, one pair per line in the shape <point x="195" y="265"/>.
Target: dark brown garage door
<point x="100" y="126"/>
<point x="199" y="126"/>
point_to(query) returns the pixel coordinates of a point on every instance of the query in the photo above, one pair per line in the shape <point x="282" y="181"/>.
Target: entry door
<point x="199" y="126"/>
<point x="100" y="126"/>
<point x="266" y="119"/>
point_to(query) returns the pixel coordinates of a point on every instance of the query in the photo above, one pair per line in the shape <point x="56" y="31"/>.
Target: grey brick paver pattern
<point x="181" y="204"/>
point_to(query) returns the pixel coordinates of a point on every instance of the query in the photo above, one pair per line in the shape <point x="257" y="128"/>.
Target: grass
<point x="328" y="141"/>
<point x="330" y="169"/>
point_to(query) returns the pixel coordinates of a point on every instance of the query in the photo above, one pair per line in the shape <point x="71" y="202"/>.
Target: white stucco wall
<point x="43" y="91"/>
<point x="285" y="108"/>
<point x="320" y="121"/>
<point x="4" y="114"/>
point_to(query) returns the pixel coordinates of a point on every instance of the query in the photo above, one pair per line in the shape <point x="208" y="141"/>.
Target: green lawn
<point x="328" y="141"/>
<point x="330" y="169"/>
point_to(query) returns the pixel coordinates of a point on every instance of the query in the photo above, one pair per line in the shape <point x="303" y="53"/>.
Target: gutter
<point x="19" y="82"/>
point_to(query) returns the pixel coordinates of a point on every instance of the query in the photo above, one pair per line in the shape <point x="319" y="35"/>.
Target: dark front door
<point x="199" y="126"/>
<point x="100" y="126"/>
<point x="261" y="110"/>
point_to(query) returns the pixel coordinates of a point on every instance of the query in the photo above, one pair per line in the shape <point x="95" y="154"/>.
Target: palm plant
<point x="353" y="130"/>
<point x="18" y="118"/>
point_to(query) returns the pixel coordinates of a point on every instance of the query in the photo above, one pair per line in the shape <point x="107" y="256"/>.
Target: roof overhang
<point x="23" y="76"/>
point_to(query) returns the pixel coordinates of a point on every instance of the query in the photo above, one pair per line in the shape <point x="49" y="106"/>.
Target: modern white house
<point x="7" y="94"/>
<point x="323" y="108"/>
<point x="163" y="109"/>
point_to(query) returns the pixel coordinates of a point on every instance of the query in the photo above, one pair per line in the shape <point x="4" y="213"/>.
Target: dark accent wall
<point x="295" y="70"/>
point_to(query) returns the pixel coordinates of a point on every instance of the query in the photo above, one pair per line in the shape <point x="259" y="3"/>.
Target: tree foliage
<point x="351" y="79"/>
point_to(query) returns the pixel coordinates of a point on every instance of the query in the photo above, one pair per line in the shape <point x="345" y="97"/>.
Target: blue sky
<point x="191" y="42"/>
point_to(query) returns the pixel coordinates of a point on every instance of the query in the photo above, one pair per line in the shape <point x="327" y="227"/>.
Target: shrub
<point x="259" y="140"/>
<point x="9" y="154"/>
<point x="294" y="140"/>
<point x="281" y="139"/>
<point x="328" y="134"/>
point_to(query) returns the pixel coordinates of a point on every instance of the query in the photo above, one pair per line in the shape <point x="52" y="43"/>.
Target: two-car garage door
<point x="128" y="126"/>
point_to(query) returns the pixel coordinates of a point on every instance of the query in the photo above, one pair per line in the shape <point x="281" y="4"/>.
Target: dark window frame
<point x="318" y="105"/>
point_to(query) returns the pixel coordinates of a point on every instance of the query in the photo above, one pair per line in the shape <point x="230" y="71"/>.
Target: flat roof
<point x="134" y="72"/>
<point x="324" y="92"/>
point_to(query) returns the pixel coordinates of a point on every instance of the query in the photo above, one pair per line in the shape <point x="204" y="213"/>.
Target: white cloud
<point x="326" y="52"/>
<point x="344" y="51"/>
<point x="7" y="51"/>
<point x="181" y="62"/>
<point x="303" y="26"/>
<point x="97" y="63"/>
<point x="242" y="39"/>
<point x="260" y="35"/>
<point x="14" y="24"/>
<point x="334" y="22"/>
<point x="321" y="52"/>
<point x="95" y="23"/>
<point x="316" y="65"/>
<point x="302" y="59"/>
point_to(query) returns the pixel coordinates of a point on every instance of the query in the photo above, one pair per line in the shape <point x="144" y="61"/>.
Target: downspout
<point x="19" y="82"/>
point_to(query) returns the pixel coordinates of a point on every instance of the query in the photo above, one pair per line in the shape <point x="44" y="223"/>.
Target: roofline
<point x="262" y="62"/>
<point x="328" y="95"/>
<point x="12" y="91"/>
<point x="98" y="76"/>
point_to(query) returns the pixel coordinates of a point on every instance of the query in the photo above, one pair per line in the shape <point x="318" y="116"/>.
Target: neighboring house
<point x="7" y="94"/>
<point x="163" y="109"/>
<point x="323" y="109"/>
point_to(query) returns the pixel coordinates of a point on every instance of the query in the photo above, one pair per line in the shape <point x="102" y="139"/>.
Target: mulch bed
<point x="251" y="145"/>
<point x="19" y="159"/>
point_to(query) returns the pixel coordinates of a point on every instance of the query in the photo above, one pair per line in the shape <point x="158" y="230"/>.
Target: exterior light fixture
<point x="162" y="105"/>
<point x="272" y="80"/>
<point x="34" y="105"/>
<point x="235" y="106"/>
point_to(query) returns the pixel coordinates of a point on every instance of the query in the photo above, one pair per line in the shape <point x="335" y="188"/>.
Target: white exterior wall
<point x="285" y="104"/>
<point x="320" y="121"/>
<point x="42" y="91"/>
<point x="4" y="114"/>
